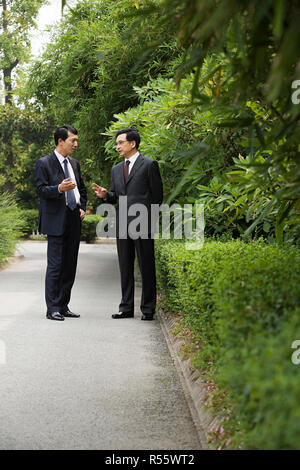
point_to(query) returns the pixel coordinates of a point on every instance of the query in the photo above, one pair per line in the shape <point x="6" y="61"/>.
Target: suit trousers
<point x="146" y="258"/>
<point x="62" y="254"/>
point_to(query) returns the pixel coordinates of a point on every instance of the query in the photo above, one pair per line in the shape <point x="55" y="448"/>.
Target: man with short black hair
<point x="138" y="178"/>
<point x="63" y="197"/>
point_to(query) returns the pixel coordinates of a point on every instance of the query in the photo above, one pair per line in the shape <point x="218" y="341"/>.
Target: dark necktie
<point x="126" y="170"/>
<point x="71" y="200"/>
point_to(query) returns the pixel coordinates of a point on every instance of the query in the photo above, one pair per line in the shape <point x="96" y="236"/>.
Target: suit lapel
<point x="137" y="164"/>
<point x="120" y="174"/>
<point x="56" y="164"/>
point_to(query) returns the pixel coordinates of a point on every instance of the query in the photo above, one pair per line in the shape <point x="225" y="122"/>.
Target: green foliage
<point x="267" y="383"/>
<point x="228" y="112"/>
<point x="103" y="57"/>
<point x="201" y="159"/>
<point x="259" y="39"/>
<point x="242" y="302"/>
<point x="29" y="221"/>
<point x="18" y="17"/>
<point x="256" y="43"/>
<point x="24" y="134"/>
<point x="88" y="71"/>
<point x="89" y="225"/>
<point x="223" y="205"/>
<point x="272" y="193"/>
<point x="186" y="140"/>
<point x="10" y="227"/>
<point x="204" y="162"/>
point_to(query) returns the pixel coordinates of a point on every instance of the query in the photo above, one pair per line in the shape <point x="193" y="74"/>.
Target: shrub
<point x="187" y="277"/>
<point x="10" y="227"/>
<point x="89" y="224"/>
<point x="29" y="221"/>
<point x="263" y="385"/>
<point x="242" y="301"/>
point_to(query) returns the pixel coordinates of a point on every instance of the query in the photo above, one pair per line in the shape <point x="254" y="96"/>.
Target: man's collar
<point x="133" y="158"/>
<point x="59" y="156"/>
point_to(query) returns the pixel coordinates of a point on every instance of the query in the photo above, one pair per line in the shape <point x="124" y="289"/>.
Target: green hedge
<point x="243" y="303"/>
<point x="89" y="225"/>
<point x="10" y="227"/>
<point x="29" y="221"/>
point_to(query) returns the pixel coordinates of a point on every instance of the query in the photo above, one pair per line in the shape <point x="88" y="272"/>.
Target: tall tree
<point x="90" y="68"/>
<point x="17" y="18"/>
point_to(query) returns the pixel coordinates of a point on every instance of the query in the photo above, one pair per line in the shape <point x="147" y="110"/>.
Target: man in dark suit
<point x="62" y="207"/>
<point x="138" y="178"/>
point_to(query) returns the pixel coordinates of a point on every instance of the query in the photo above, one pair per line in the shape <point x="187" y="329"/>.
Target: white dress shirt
<point x="132" y="160"/>
<point x="61" y="160"/>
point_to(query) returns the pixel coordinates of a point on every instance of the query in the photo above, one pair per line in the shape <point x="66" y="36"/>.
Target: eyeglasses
<point x="121" y="142"/>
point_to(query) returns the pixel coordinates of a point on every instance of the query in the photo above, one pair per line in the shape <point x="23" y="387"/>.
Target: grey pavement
<point x="88" y="383"/>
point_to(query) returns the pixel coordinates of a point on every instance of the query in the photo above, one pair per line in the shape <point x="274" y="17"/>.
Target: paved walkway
<point x="88" y="383"/>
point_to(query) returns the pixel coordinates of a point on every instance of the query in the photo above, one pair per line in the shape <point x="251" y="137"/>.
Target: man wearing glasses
<point x="138" y="178"/>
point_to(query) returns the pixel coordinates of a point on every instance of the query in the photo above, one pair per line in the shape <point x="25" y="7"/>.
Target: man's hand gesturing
<point x="66" y="185"/>
<point x="99" y="191"/>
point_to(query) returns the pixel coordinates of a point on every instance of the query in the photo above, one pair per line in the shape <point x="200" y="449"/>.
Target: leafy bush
<point x="178" y="136"/>
<point x="10" y="227"/>
<point x="88" y="230"/>
<point x="242" y="302"/>
<point x="97" y="56"/>
<point x="29" y="221"/>
<point x="256" y="93"/>
<point x="264" y="386"/>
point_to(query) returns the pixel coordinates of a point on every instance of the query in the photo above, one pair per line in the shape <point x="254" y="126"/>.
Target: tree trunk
<point x="7" y="76"/>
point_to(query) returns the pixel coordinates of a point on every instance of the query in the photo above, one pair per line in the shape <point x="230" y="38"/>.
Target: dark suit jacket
<point x="144" y="186"/>
<point x="52" y="209"/>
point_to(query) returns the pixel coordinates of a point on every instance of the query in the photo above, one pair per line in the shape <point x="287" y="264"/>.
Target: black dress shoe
<point x="123" y="315"/>
<point x="147" y="317"/>
<point x="54" y="316"/>
<point x="70" y="314"/>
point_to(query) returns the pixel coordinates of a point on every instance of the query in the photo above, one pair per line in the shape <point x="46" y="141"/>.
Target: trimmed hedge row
<point x="243" y="302"/>
<point x="30" y="224"/>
